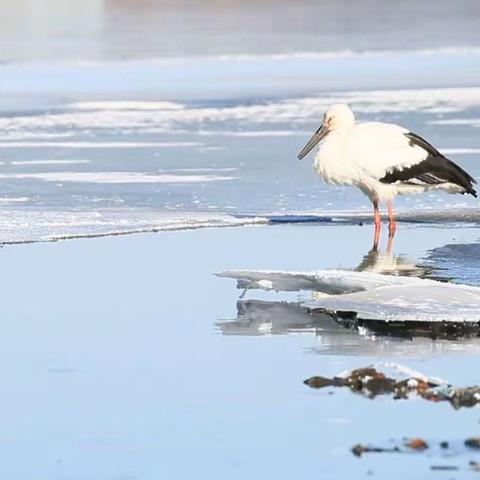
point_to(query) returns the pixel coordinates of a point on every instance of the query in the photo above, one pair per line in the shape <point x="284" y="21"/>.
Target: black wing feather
<point x="421" y="142"/>
<point x="434" y="170"/>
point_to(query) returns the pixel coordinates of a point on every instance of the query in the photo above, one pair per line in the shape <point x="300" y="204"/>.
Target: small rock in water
<point x="473" y="442"/>
<point x="417" y="444"/>
<point x="321" y="382"/>
<point x="358" y="450"/>
<point x="475" y="466"/>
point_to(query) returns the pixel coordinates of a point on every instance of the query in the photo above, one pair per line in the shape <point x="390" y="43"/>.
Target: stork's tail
<point x="462" y="178"/>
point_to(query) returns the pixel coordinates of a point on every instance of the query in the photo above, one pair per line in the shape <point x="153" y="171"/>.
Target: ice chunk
<point x="429" y="302"/>
<point x="325" y="281"/>
<point x="371" y="296"/>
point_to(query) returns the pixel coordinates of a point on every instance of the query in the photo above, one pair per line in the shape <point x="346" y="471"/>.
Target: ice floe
<point x="372" y="296"/>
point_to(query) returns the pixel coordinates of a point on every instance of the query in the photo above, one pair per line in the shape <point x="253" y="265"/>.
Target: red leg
<point x="376" y="214"/>
<point x="378" y="220"/>
<point x="392" y="223"/>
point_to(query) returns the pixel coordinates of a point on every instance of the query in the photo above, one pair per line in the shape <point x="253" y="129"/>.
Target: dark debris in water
<point x="419" y="445"/>
<point x="445" y="330"/>
<point x="359" y="449"/>
<point x="370" y="382"/>
<point x="409" y="445"/>
<point x="445" y="468"/>
<point x="473" y="442"/>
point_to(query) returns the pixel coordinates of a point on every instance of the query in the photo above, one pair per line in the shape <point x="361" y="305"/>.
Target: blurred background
<point x="53" y="30"/>
<point x="123" y="115"/>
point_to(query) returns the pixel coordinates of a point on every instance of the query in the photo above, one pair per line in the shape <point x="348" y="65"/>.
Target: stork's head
<point x="338" y="116"/>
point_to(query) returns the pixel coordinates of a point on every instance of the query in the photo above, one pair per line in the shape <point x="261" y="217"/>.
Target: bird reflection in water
<point x="388" y="263"/>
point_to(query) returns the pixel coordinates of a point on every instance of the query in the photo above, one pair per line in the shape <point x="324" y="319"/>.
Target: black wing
<point x="435" y="169"/>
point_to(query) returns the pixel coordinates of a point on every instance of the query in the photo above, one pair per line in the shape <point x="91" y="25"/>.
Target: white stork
<point x="381" y="159"/>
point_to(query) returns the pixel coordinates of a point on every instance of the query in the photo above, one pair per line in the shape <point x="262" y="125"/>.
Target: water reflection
<point x="259" y="317"/>
<point x="334" y="336"/>
<point x="387" y="263"/>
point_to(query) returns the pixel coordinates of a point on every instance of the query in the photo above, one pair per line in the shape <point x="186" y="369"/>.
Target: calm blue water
<point x="116" y="362"/>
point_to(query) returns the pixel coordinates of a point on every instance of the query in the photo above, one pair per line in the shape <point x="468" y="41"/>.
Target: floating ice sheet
<point x="324" y="281"/>
<point x="429" y="302"/>
<point x="372" y="296"/>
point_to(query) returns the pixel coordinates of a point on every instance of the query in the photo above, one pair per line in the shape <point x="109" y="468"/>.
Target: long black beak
<point x="315" y="140"/>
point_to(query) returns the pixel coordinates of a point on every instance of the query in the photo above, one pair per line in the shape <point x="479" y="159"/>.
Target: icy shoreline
<point x="26" y="225"/>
